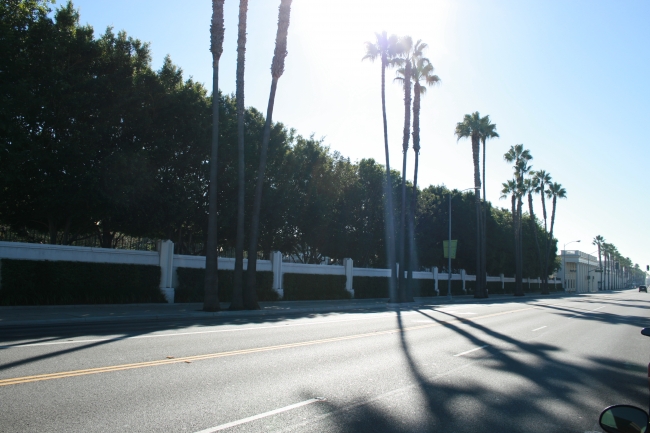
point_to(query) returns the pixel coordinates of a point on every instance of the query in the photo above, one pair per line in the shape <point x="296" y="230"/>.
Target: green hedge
<point x="32" y="282"/>
<point x="191" y="285"/>
<point x="456" y="287"/>
<point x="370" y="287"/>
<point x="494" y="287"/>
<point x="305" y="287"/>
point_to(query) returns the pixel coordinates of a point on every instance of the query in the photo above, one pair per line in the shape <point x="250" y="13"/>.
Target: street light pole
<point x="449" y="246"/>
<point x="564" y="264"/>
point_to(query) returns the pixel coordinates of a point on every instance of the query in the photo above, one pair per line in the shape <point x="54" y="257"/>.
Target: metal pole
<point x="449" y="253"/>
<point x="564" y="268"/>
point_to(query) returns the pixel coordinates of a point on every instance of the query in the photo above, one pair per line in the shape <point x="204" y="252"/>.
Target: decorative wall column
<point x="166" y="256"/>
<point x="276" y="266"/>
<point x="347" y="265"/>
<point x="435" y="280"/>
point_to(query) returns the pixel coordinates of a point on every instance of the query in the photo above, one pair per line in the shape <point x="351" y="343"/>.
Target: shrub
<point x="191" y="285"/>
<point x="423" y="287"/>
<point x="305" y="287"/>
<point x="32" y="282"/>
<point x="456" y="287"/>
<point x="370" y="287"/>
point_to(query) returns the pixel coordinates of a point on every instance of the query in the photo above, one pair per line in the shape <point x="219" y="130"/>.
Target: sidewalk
<point x="21" y="316"/>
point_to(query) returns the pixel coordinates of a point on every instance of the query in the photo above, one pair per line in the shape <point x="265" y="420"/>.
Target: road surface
<point x="542" y="365"/>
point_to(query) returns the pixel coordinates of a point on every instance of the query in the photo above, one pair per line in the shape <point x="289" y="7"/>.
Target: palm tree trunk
<point x="600" y="264"/>
<point x="513" y="202"/>
<point x="390" y="216"/>
<point x="550" y="235"/>
<point x="237" y="295"/>
<point x="211" y="284"/>
<point x="478" y="292"/>
<point x="277" y="68"/>
<point x="250" y="292"/>
<point x="414" y="196"/>
<point x="405" y="147"/>
<point x="483" y="231"/>
<point x="414" y="199"/>
<point x="533" y="224"/>
<point x="519" y="288"/>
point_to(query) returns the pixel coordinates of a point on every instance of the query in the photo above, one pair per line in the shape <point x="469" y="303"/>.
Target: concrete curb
<point x="278" y="309"/>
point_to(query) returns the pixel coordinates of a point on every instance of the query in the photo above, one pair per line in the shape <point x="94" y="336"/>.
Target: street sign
<point x="598" y="270"/>
<point x="445" y="247"/>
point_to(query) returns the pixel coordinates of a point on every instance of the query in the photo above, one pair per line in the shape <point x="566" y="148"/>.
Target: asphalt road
<point x="514" y="366"/>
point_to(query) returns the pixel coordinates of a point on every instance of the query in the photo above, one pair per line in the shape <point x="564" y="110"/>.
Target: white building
<point x="583" y="273"/>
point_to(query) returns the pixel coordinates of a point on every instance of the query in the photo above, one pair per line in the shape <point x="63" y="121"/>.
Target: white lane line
<point x="599" y="308"/>
<point x="214" y="331"/>
<point x="472" y="350"/>
<point x="538" y="329"/>
<point x="262" y="415"/>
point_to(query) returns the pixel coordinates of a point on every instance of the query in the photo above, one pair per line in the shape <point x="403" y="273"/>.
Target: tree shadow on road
<point x="534" y="387"/>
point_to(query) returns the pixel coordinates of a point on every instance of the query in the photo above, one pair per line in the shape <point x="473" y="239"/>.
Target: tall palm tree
<point x="510" y="188"/>
<point x="422" y="76"/>
<point x="488" y="131"/>
<point x="530" y="184"/>
<point x="599" y="241"/>
<point x="238" y="292"/>
<point x="387" y="48"/>
<point x="409" y="52"/>
<point x="471" y="128"/>
<point x="277" y="68"/>
<point x="519" y="157"/>
<point x="544" y="179"/>
<point x="211" y="286"/>
<point x="554" y="191"/>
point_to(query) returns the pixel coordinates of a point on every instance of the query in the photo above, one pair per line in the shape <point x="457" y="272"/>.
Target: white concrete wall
<point x="170" y="262"/>
<point x="24" y="251"/>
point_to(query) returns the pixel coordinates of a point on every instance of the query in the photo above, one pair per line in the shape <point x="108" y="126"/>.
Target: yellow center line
<point x="66" y="374"/>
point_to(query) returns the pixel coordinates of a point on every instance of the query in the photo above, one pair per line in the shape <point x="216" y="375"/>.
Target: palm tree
<point x="211" y="287"/>
<point x="421" y="73"/>
<point x="530" y="184"/>
<point x="520" y="157"/>
<point x="386" y="48"/>
<point x="543" y="179"/>
<point x="471" y="127"/>
<point x="554" y="191"/>
<point x="488" y="131"/>
<point x="238" y="295"/>
<point x="409" y="52"/>
<point x="599" y="241"/>
<point x="510" y="188"/>
<point x="277" y="68"/>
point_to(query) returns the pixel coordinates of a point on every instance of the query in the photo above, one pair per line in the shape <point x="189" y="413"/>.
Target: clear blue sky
<point x="569" y="80"/>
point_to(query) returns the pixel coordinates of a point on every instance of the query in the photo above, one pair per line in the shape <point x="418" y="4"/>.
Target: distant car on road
<point x="643" y="289"/>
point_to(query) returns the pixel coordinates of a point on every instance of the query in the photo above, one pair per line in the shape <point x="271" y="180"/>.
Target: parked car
<point x="643" y="289"/>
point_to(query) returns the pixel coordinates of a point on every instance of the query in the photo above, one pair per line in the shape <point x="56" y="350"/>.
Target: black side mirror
<point x="623" y="419"/>
<point x="646" y="332"/>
